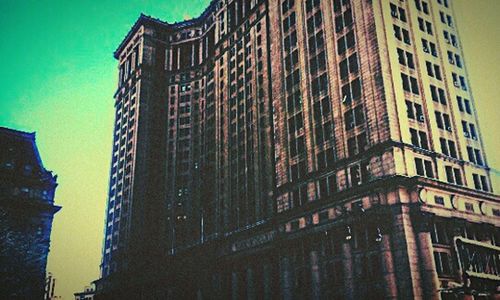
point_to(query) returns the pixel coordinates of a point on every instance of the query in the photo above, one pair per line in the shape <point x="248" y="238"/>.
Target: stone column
<point x="267" y="281"/>
<point x="286" y="278"/>
<point x="390" y="285"/>
<point x="234" y="285"/>
<point x="347" y="262"/>
<point x="430" y="283"/>
<point x="315" y="275"/>
<point x="250" y="283"/>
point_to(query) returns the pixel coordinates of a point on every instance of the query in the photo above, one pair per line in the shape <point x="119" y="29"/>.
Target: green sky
<point x="58" y="76"/>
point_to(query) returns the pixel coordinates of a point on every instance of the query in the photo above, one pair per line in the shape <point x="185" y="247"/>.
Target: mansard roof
<point x="19" y="156"/>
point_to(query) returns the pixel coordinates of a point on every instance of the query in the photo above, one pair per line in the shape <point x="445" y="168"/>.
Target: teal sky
<point x="58" y="76"/>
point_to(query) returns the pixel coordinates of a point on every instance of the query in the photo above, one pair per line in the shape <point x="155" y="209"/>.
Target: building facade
<point x="26" y="213"/>
<point x="87" y="293"/>
<point x="50" y="287"/>
<point x="299" y="149"/>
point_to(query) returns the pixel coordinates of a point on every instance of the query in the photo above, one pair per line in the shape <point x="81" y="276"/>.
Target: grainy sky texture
<point x="58" y="76"/>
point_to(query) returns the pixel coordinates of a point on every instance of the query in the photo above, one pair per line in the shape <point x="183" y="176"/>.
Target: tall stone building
<point x="316" y="149"/>
<point x="26" y="212"/>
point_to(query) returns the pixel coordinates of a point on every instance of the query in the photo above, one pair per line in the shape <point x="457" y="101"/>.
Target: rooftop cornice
<point x="145" y="19"/>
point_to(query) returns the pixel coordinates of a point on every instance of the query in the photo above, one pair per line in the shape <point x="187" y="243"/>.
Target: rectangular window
<point x="473" y="133"/>
<point x="458" y="61"/>
<point x="453" y="149"/>
<point x="434" y="93"/>
<point x="471" y="154"/>
<point x="467" y="106"/>
<point x="442" y="96"/>
<point x="479" y="157"/>
<point x="429" y="171"/>
<point x="439" y="120"/>
<point x="414" y="137"/>
<point x="484" y="183"/>
<point x="424" y="144"/>
<point x="477" y="182"/>
<point x="465" y="129"/>
<point x="463" y="84"/>
<point x="409" y="110"/>
<point x="460" y="103"/>
<point x="447" y="122"/>
<point x="444" y="146"/>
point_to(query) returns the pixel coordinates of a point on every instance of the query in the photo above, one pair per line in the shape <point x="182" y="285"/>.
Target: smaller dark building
<point x="87" y="293"/>
<point x="26" y="212"/>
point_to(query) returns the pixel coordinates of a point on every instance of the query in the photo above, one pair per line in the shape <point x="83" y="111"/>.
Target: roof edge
<point x="145" y="18"/>
<point x="141" y="20"/>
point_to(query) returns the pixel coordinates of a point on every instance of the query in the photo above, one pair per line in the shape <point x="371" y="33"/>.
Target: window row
<point x="351" y="91"/>
<point x="354" y="117"/>
<point x="346" y="42"/>
<point x="349" y="66"/>
<point x="438" y="94"/>
<point x="459" y="81"/>
<point x="443" y="2"/>
<point x="398" y="12"/>
<point x="314" y="22"/>
<point x="475" y="156"/>
<point x="443" y="121"/>
<point x="286" y="5"/>
<point x="429" y="47"/>
<point x="480" y="182"/>
<point x="425" y="26"/>
<point x="402" y="34"/>
<point x="419" y="139"/>
<point x="424" y="167"/>
<point x="322" y="109"/>
<point x="448" y="147"/>
<point x="453" y="175"/>
<point x="433" y="70"/>
<point x="339" y="4"/>
<point x="455" y="59"/>
<point x="469" y="130"/>
<point x="357" y="144"/>
<point x="422" y="6"/>
<point x="343" y="20"/>
<point x="323" y="132"/>
<point x="406" y="58"/>
<point x="289" y="22"/>
<point x="410" y="84"/>
<point x="325" y="159"/>
<point x="414" y="111"/>
<point x="450" y="38"/>
<point x="446" y="19"/>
